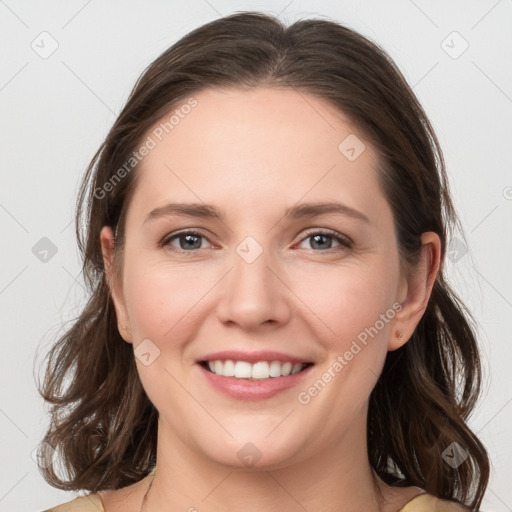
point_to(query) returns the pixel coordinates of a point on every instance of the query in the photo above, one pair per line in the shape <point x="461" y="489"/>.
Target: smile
<point x="256" y="371"/>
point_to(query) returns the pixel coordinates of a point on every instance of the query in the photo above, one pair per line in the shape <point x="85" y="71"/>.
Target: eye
<point x="192" y="241"/>
<point x="323" y="240"/>
<point x="187" y="241"/>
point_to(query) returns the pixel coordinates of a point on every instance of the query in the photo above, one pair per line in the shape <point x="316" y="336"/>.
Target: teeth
<point x="242" y="369"/>
<point x="260" y="370"/>
<point x="286" y="369"/>
<point x="257" y="371"/>
<point x="228" y="369"/>
<point x="275" y="369"/>
<point x="297" y="367"/>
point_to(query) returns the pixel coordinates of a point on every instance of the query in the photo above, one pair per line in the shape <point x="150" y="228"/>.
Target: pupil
<point x="317" y="237"/>
<point x="190" y="242"/>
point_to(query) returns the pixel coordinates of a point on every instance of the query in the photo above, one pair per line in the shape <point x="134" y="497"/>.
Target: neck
<point x="339" y="479"/>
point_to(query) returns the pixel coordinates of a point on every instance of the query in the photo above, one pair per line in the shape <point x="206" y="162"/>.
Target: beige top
<point x="422" y="503"/>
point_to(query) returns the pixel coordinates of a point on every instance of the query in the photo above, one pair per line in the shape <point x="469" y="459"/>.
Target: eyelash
<point x="343" y="240"/>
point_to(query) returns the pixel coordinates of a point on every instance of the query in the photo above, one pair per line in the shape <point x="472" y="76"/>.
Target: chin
<point x="254" y="448"/>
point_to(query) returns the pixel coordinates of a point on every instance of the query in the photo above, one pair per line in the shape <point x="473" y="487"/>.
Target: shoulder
<point x="89" y="503"/>
<point x="428" y="503"/>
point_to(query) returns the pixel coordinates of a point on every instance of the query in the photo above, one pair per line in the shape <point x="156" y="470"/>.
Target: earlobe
<point x="107" y="248"/>
<point x="419" y="288"/>
<point x="397" y="339"/>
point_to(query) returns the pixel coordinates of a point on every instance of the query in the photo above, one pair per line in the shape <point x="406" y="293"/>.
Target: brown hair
<point x="104" y="427"/>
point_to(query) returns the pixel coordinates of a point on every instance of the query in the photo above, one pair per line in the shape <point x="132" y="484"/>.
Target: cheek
<point x="165" y="305"/>
<point x="338" y="302"/>
<point x="347" y="300"/>
<point x="163" y="300"/>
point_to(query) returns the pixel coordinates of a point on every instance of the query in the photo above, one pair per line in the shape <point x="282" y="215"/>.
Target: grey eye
<point x="187" y="241"/>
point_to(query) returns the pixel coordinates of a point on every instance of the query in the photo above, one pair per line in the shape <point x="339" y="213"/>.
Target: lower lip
<point x="243" y="389"/>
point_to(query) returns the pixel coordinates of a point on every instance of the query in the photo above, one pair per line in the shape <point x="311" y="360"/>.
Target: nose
<point x="254" y="294"/>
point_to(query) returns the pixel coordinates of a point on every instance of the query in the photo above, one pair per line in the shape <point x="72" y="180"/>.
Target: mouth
<point x="258" y="371"/>
<point x="260" y="375"/>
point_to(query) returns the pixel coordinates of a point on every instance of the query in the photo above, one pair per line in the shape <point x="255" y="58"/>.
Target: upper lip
<point x="253" y="357"/>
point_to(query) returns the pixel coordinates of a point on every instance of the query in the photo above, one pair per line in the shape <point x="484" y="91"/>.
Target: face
<point x="257" y="280"/>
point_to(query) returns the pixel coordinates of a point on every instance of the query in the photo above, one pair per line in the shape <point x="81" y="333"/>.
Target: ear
<point x="107" y="249"/>
<point x="416" y="290"/>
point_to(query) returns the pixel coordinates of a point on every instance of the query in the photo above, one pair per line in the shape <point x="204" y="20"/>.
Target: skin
<point x="253" y="154"/>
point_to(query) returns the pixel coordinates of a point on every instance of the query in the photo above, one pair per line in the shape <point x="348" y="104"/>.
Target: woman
<point x="269" y="326"/>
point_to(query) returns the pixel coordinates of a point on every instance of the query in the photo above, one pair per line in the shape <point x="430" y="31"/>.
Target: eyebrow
<point x="209" y="211"/>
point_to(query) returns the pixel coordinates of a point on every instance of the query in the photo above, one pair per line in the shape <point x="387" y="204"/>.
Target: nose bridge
<point x="253" y="295"/>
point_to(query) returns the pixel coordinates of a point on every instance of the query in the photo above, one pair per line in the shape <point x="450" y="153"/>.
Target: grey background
<point x="55" y="109"/>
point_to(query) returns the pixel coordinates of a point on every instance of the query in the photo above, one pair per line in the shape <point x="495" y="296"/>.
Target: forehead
<point x="256" y="148"/>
